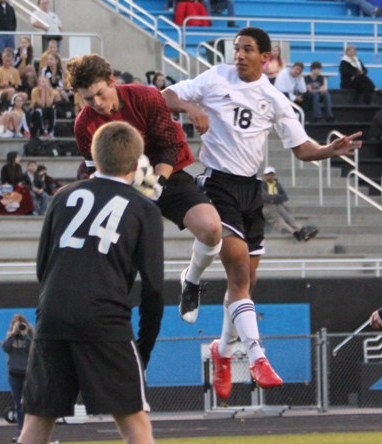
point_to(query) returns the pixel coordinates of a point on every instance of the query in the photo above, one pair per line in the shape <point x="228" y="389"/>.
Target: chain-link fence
<point x="320" y="372"/>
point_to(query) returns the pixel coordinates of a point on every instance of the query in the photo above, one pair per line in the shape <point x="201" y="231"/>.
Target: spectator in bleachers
<point x="122" y="78"/>
<point x="184" y="9"/>
<point x="354" y="75"/>
<point x="23" y="55"/>
<point x="276" y="213"/>
<point x="32" y="180"/>
<point x="8" y="22"/>
<point x="275" y="64"/>
<point x="218" y="6"/>
<point x="10" y="79"/>
<point x="291" y="82"/>
<point x="52" y="48"/>
<point x="28" y="80"/>
<point x="159" y="80"/>
<point x="318" y="93"/>
<point x="14" y="119"/>
<point x="48" y="21"/>
<point x="368" y="8"/>
<point x="15" y="196"/>
<point x="54" y="71"/>
<point x="11" y="172"/>
<point x="51" y="185"/>
<point x="42" y="113"/>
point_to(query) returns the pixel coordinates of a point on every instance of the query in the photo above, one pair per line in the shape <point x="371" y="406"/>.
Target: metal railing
<point x="350" y="189"/>
<point x="368" y="267"/>
<point x="96" y="41"/>
<point x="313" y="35"/>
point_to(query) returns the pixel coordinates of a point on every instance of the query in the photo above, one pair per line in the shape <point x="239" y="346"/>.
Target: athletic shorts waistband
<point x="232" y="177"/>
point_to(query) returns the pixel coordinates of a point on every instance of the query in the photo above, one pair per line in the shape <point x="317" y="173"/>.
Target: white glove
<point x="152" y="186"/>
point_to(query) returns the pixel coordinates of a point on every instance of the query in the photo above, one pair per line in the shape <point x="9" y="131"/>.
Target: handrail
<point x="300" y="265"/>
<point x="201" y="60"/>
<point x="350" y="189"/>
<point x="184" y="59"/>
<point x="353" y="163"/>
<point x="318" y="164"/>
<point x="33" y="9"/>
<point x="310" y="36"/>
<point x="150" y="22"/>
<point x="33" y="34"/>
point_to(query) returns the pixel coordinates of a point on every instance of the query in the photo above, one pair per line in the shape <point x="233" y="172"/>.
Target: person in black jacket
<point x="97" y="235"/>
<point x="354" y="75"/>
<point x="276" y="213"/>
<point x="8" y="22"/>
<point x="17" y="345"/>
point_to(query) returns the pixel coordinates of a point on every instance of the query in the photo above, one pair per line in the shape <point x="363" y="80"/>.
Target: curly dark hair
<point x="85" y="70"/>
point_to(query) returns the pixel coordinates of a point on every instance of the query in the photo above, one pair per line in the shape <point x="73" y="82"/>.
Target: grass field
<point x="317" y="438"/>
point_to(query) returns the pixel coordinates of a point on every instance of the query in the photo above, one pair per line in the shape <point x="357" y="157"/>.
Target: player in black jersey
<point x="97" y="235"/>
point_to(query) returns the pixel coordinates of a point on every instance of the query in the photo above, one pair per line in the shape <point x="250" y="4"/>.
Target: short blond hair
<point x="116" y="147"/>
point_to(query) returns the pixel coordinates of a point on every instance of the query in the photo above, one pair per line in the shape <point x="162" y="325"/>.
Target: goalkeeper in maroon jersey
<point x="181" y="200"/>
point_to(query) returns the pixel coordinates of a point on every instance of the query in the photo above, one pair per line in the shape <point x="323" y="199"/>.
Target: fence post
<point x="324" y="370"/>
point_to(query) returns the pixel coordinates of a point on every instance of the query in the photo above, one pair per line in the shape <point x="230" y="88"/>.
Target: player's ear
<point x="134" y="166"/>
<point x="265" y="56"/>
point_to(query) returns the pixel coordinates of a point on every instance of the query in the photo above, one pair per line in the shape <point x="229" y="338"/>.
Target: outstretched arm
<point x="343" y="146"/>
<point x="196" y="115"/>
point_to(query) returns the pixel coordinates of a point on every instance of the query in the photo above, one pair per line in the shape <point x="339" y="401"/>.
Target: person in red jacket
<point x="181" y="201"/>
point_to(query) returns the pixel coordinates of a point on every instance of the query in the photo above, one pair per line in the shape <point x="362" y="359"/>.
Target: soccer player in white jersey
<point x="234" y="107"/>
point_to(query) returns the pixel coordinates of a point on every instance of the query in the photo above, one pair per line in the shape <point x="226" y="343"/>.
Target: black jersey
<point x="97" y="235"/>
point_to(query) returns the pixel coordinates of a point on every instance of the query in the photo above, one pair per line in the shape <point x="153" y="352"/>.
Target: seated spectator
<point x="42" y="113"/>
<point x="14" y="119"/>
<point x="122" y="78"/>
<point x="275" y="211"/>
<point x="290" y="81"/>
<point x="36" y="186"/>
<point x="186" y="9"/>
<point x="354" y="75"/>
<point x="23" y="55"/>
<point x="159" y="80"/>
<point x="368" y="8"/>
<point x="52" y="48"/>
<point x="28" y="80"/>
<point x="15" y="198"/>
<point x="318" y="93"/>
<point x="11" y="172"/>
<point x="54" y="71"/>
<point x="218" y="6"/>
<point x="10" y="79"/>
<point x="275" y="64"/>
<point x="50" y="185"/>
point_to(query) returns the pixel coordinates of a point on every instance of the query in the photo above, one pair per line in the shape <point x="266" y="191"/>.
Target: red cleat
<point x="264" y="375"/>
<point x="222" y="372"/>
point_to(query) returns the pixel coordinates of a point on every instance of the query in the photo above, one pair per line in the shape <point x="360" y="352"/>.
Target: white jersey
<point x="241" y="115"/>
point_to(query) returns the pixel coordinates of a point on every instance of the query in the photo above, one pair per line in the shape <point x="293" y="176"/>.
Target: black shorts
<point x="180" y="195"/>
<point x="239" y="203"/>
<point x="109" y="376"/>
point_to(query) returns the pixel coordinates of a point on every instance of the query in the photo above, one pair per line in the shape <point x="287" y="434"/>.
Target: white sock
<point x="243" y="316"/>
<point x="202" y="257"/>
<point x="229" y="333"/>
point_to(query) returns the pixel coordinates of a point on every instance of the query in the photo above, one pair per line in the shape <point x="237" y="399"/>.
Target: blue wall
<point x="178" y="362"/>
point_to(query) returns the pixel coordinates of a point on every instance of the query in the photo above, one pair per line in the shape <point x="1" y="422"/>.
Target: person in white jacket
<point x="291" y="82"/>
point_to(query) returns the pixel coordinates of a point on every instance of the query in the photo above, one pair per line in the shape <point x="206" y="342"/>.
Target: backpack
<point x="41" y="148"/>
